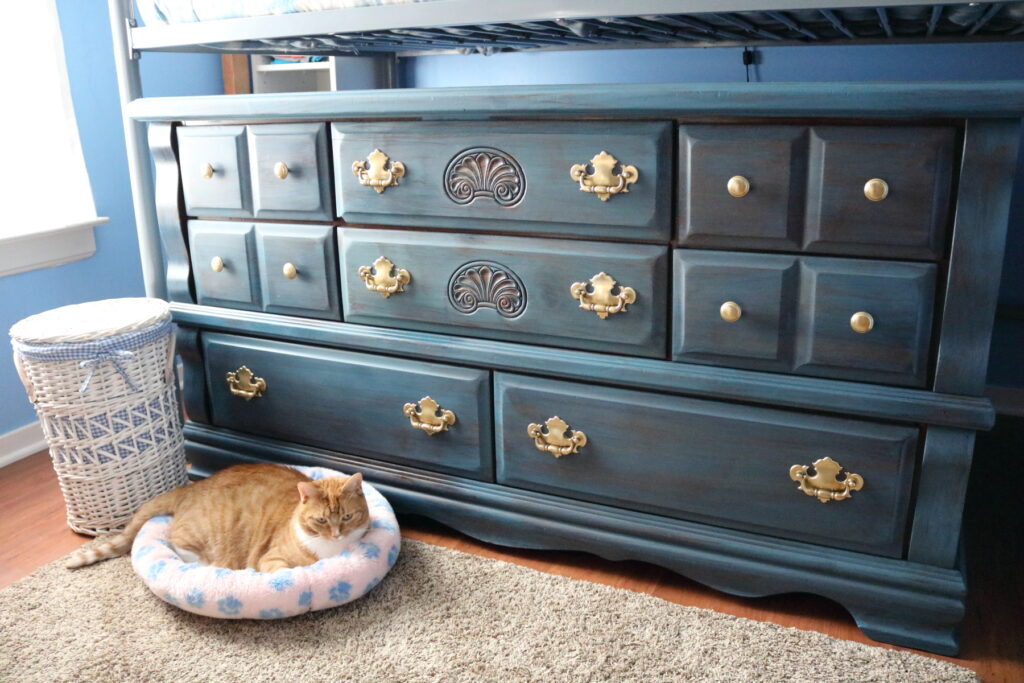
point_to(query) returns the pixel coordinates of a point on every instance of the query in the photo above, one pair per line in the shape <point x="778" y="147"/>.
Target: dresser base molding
<point x="891" y="600"/>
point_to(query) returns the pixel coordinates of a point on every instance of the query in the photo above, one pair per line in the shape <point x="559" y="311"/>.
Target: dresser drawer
<point x="289" y="169"/>
<point x="353" y="403"/>
<point x="223" y="256"/>
<point x="844" y="318"/>
<point x="796" y="188"/>
<point x="586" y="295"/>
<point x="297" y="270"/>
<point x="214" y="170"/>
<point x="517" y="177"/>
<point x="705" y="460"/>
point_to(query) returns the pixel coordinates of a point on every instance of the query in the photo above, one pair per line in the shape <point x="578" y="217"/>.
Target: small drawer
<point x="850" y="319"/>
<point x="289" y="169"/>
<point x="583" y="179"/>
<point x="352" y="403"/>
<point x="224" y="264"/>
<point x="708" y="461"/>
<point x="879" y="191"/>
<point x="297" y="270"/>
<point x="214" y="170"/>
<point x="609" y="298"/>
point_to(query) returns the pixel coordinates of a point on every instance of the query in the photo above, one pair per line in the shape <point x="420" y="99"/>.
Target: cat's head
<point x="333" y="507"/>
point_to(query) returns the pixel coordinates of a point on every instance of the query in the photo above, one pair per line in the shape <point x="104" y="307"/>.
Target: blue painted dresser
<point x="740" y="332"/>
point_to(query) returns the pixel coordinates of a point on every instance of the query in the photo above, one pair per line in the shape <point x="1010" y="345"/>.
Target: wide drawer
<point x="352" y="402"/>
<point x="586" y="295"/>
<point x="844" y="318"/>
<point x="582" y="179"/>
<point x="857" y="190"/>
<point x="708" y="461"/>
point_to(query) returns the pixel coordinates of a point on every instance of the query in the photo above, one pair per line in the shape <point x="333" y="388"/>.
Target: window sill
<point x="21" y="253"/>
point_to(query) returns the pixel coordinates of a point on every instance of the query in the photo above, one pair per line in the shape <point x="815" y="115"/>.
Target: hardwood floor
<point x="33" y="533"/>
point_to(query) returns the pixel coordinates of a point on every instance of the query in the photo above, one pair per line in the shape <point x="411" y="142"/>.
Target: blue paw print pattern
<point x="370" y="550"/>
<point x="188" y="566"/>
<point x="315" y="475"/>
<point x="306" y="599"/>
<point x="317" y="566"/>
<point x="195" y="598"/>
<point x="155" y="569"/>
<point x="160" y="519"/>
<point x="281" y="580"/>
<point x="383" y="524"/>
<point x="143" y="551"/>
<point x="392" y="556"/>
<point x="171" y="599"/>
<point x="373" y="584"/>
<point x="272" y="613"/>
<point x="229" y="605"/>
<point x="340" y="591"/>
<point x="220" y="572"/>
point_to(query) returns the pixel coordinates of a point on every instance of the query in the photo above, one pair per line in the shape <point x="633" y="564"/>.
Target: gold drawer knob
<point x="206" y="170"/>
<point x="604" y="182"/>
<point x="383" y="277"/>
<point x="824" y="484"/>
<point x="598" y="297"/>
<point x="876" y="189"/>
<point x="281" y="170"/>
<point x="738" y="186"/>
<point x="242" y="382"/>
<point x="555" y="437"/>
<point x="428" y="416"/>
<point x="730" y="311"/>
<point x="862" y="322"/>
<point x="216" y="264"/>
<point x="290" y="271"/>
<point x="376" y="172"/>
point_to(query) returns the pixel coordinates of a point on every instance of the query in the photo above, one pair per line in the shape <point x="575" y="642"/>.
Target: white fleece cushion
<point x="249" y="594"/>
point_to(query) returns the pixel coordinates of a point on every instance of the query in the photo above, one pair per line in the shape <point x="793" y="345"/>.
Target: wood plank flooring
<point x="33" y="533"/>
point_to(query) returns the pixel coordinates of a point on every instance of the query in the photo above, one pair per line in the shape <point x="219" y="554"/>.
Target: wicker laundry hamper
<point x="101" y="376"/>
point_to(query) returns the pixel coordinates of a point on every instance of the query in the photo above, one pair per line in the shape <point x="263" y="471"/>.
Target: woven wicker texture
<point x="101" y="378"/>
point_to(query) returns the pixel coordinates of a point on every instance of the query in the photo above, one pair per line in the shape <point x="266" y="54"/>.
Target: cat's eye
<point x="347" y="517"/>
<point x="320" y="520"/>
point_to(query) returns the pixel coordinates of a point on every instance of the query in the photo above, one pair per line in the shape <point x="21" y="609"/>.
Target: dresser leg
<point x="938" y="633"/>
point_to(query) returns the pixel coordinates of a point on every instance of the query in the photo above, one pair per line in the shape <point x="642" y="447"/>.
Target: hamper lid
<point x="91" y="320"/>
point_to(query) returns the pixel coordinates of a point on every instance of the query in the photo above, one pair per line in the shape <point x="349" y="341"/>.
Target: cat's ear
<point x="307" y="490"/>
<point x="354" y="484"/>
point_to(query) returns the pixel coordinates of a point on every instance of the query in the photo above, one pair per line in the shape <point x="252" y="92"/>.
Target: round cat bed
<point x="249" y="594"/>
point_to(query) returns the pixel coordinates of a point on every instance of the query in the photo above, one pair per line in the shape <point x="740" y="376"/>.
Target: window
<point x="49" y="212"/>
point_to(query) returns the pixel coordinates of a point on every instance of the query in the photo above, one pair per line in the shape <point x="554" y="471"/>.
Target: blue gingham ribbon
<point x="93" y="354"/>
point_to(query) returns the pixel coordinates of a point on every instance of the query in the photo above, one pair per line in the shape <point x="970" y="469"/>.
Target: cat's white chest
<point x="329" y="547"/>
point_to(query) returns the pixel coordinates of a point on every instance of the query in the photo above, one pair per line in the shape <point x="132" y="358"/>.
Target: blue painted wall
<point x="114" y="270"/>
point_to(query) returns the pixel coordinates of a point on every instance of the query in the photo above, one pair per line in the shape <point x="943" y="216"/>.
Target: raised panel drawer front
<point x="223" y="256"/>
<point x="844" y="190"/>
<point x="352" y="403"/>
<point x="585" y="179"/>
<point x="297" y="270"/>
<point x="601" y="297"/>
<point x="853" y="319"/>
<point x="290" y="178"/>
<point x="214" y="170"/>
<point x="708" y="461"/>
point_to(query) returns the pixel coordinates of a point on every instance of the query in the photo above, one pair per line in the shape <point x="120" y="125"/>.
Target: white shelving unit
<point x="335" y="73"/>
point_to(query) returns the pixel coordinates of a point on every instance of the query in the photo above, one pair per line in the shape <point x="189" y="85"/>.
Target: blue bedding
<point x="154" y="12"/>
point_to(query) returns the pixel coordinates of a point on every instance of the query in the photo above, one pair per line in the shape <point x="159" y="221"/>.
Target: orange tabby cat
<point x="249" y="516"/>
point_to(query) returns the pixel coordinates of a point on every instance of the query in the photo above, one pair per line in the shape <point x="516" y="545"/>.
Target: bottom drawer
<point x="352" y="402"/>
<point x="705" y="460"/>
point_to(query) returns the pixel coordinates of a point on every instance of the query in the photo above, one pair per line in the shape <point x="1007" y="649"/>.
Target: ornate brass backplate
<point x="376" y="173"/>
<point x="383" y="277"/>
<point x="555" y="437"/>
<point x="824" y="484"/>
<point x="242" y="382"/>
<point x="604" y="182"/>
<point x="429" y="416"/>
<point x="598" y="297"/>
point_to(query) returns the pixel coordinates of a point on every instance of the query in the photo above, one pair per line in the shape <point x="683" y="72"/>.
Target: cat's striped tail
<point x="119" y="544"/>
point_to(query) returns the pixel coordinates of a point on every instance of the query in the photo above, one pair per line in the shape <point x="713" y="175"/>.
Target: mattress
<point x="155" y="12"/>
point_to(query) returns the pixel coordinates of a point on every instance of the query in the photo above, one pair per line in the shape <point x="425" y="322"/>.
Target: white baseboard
<point x="21" y="442"/>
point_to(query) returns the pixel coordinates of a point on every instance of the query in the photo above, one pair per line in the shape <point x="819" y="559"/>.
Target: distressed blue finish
<point x="796" y="314"/>
<point x="166" y="181"/>
<point x="550" y="201"/>
<point x="305" y="193"/>
<point x="352" y="402"/>
<point x="193" y="396"/>
<point x="237" y="284"/>
<point x="226" y="192"/>
<point x="721" y="463"/>
<point x="310" y="249"/>
<point x="546" y="270"/>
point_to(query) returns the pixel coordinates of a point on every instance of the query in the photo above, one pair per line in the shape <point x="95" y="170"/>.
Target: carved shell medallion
<point x="485" y="284"/>
<point x="484" y="172"/>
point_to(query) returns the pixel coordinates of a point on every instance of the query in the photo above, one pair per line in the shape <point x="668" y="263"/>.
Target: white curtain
<point x="43" y="181"/>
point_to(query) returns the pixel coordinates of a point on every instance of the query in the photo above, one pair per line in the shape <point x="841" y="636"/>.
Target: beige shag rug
<point x="441" y="615"/>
